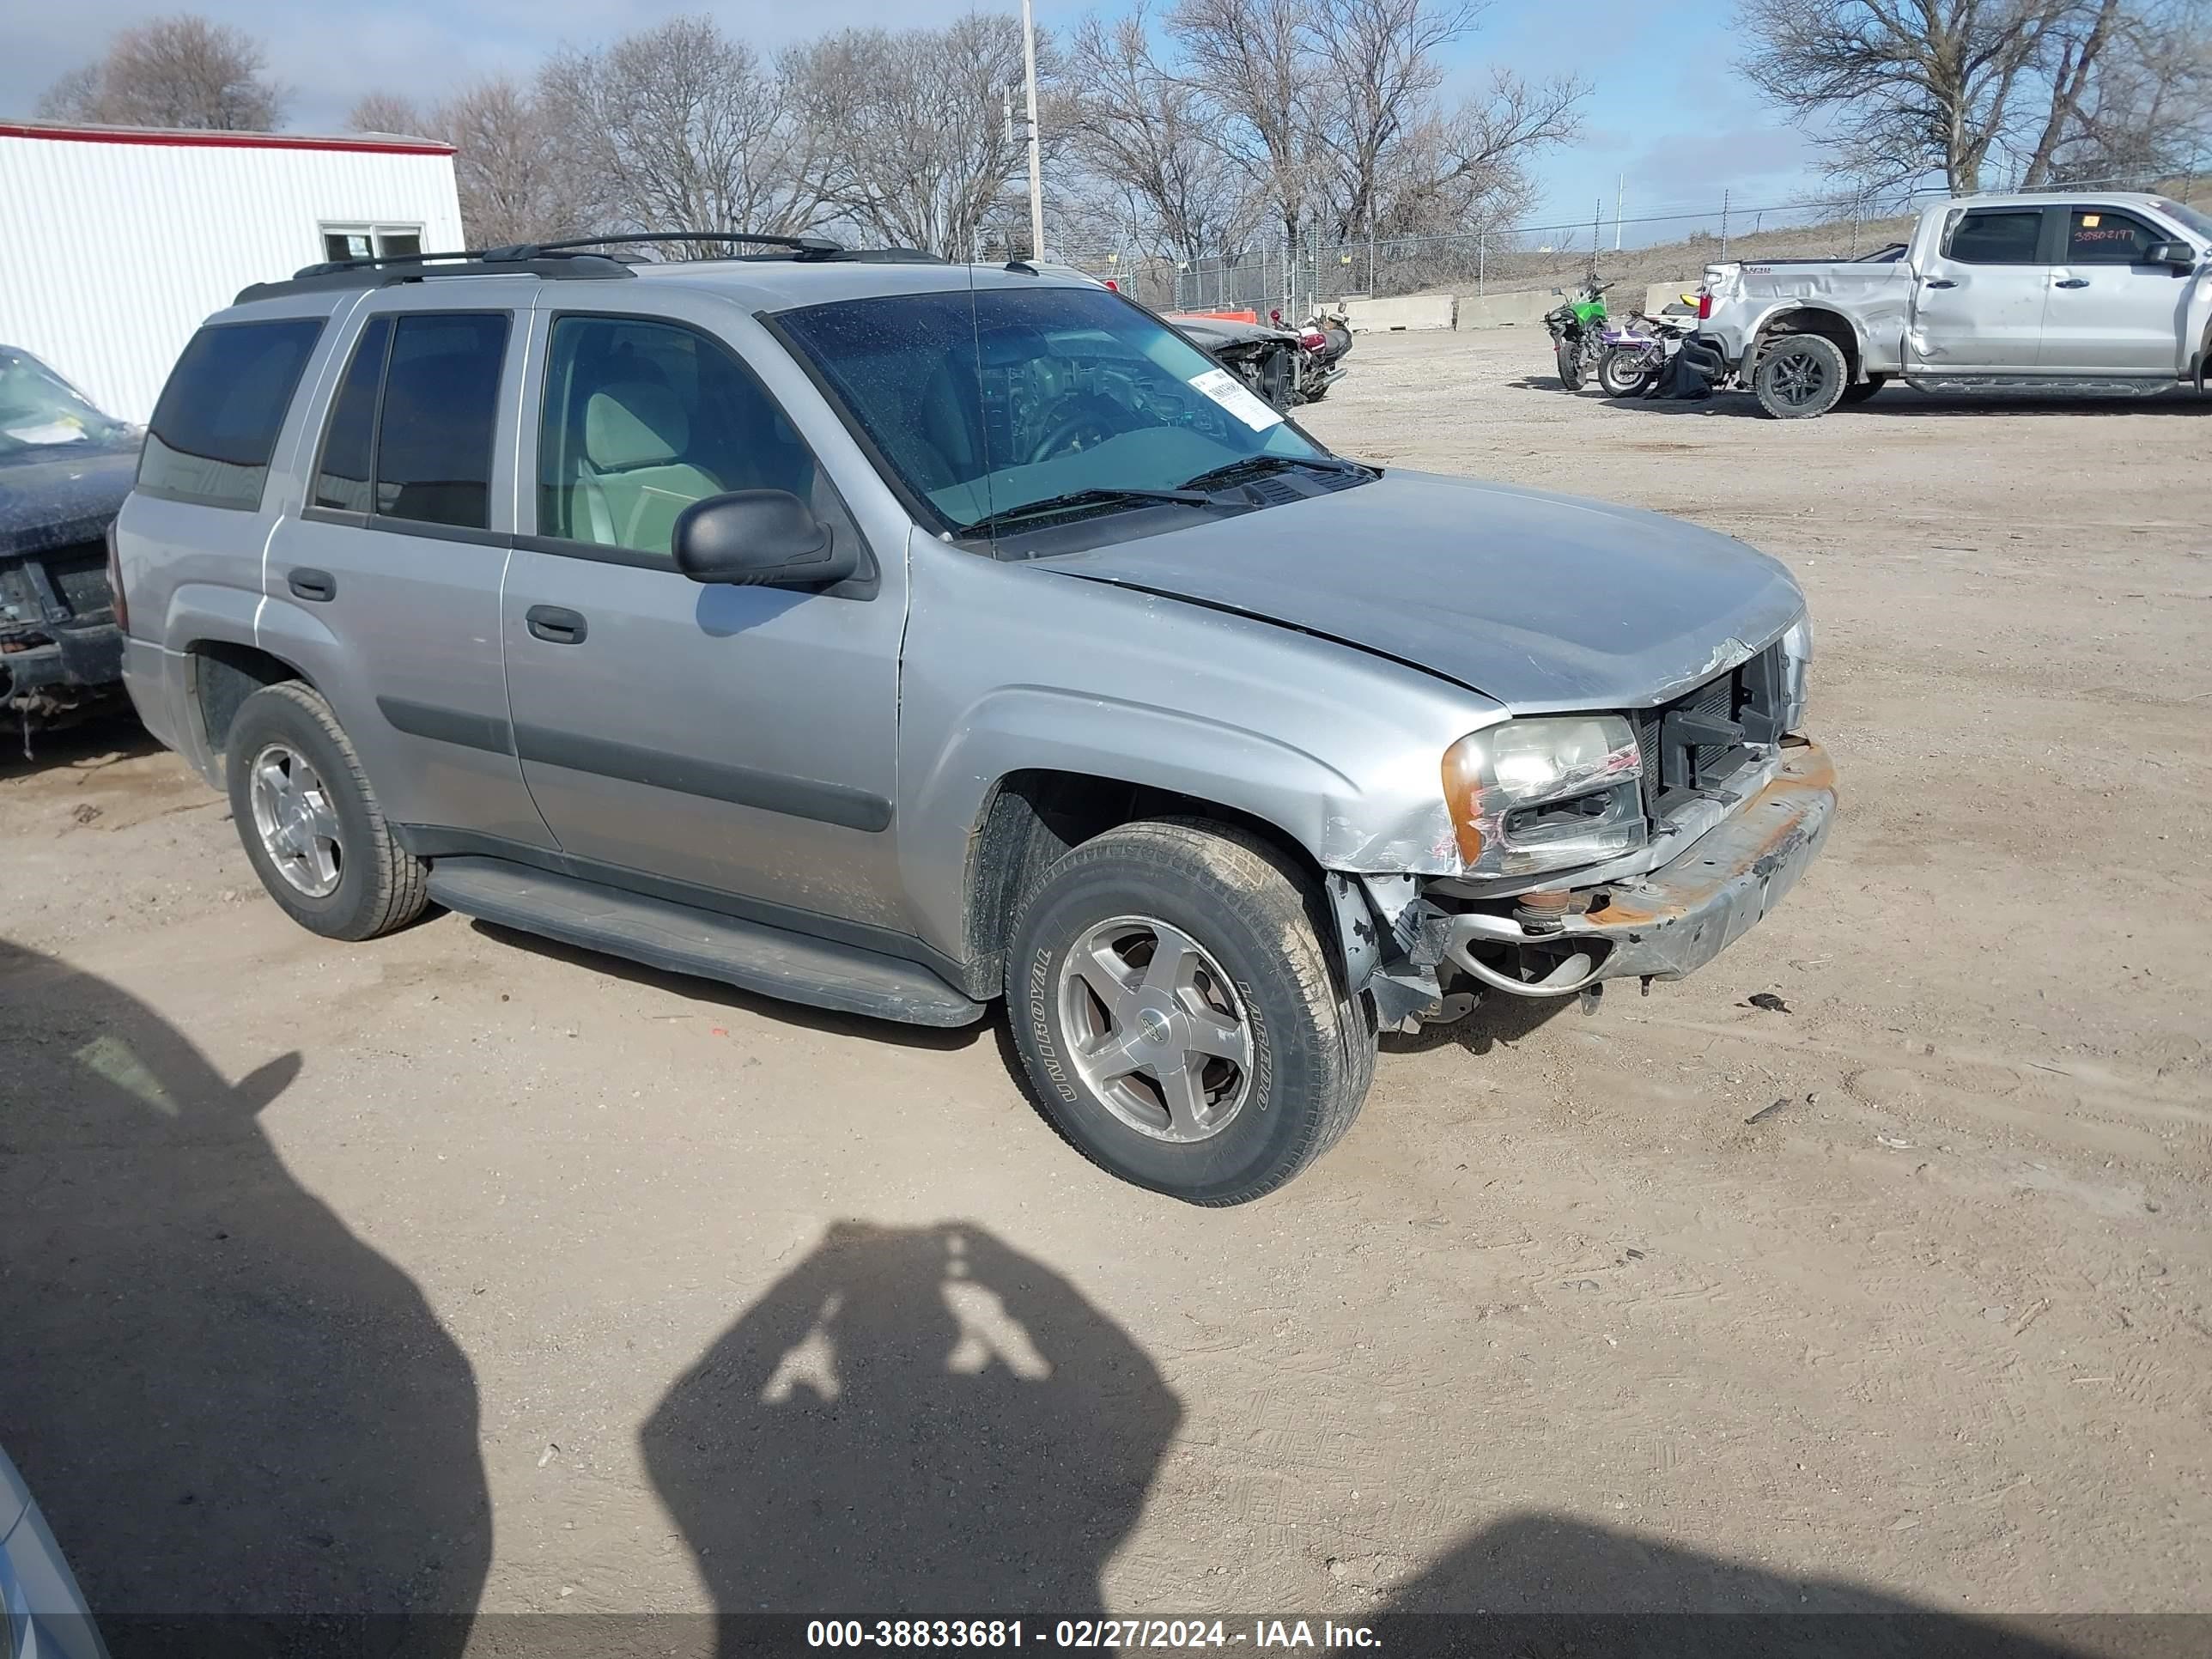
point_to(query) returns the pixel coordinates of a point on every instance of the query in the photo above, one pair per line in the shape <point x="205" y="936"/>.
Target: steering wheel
<point x="1086" y="427"/>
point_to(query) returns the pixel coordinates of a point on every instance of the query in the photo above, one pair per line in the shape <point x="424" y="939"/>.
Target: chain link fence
<point x="1672" y="242"/>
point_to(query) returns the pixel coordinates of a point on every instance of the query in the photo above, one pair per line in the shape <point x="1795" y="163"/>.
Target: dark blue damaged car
<point x="65" y="470"/>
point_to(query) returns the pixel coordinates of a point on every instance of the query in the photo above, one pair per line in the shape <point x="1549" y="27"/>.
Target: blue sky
<point x="1666" y="112"/>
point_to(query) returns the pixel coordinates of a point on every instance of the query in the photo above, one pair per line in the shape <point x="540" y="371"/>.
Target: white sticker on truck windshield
<point x="1233" y="395"/>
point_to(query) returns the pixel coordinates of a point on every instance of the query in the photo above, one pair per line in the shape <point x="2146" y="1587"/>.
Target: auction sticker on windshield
<point x="1233" y="395"/>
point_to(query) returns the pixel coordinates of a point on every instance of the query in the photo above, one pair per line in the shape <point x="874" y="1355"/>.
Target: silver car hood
<point x="1539" y="601"/>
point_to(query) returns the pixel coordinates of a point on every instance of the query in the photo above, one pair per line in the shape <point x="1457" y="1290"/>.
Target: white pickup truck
<point x="2100" y="293"/>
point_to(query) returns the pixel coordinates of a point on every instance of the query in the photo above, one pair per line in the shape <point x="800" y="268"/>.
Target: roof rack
<point x="577" y="258"/>
<point x="799" y="247"/>
<point x="388" y="270"/>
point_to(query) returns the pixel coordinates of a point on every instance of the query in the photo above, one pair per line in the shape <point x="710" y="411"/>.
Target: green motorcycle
<point x="1576" y="325"/>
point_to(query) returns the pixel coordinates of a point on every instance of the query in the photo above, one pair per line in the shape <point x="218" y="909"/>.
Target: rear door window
<point x="341" y="478"/>
<point x="217" y="424"/>
<point x="1998" y="236"/>
<point x="2098" y="236"/>
<point x="440" y="417"/>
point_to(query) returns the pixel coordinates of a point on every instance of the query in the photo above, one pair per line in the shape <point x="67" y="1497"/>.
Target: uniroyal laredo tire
<point x="1245" y="907"/>
<point x="379" y="886"/>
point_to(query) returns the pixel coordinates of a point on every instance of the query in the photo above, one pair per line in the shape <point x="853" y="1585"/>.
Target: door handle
<point x="2071" y="282"/>
<point x="556" y="625"/>
<point x="317" y="585"/>
<point x="1938" y="281"/>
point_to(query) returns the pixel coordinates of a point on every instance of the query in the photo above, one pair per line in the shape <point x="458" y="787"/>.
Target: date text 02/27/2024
<point x="1262" y="1634"/>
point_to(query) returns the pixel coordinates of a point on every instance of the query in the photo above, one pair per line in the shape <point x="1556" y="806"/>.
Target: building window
<point x="370" y="241"/>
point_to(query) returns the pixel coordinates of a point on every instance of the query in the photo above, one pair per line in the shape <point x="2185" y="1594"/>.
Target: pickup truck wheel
<point x="1176" y="1014"/>
<point x="310" y="824"/>
<point x="1799" y="376"/>
<point x="1859" y="391"/>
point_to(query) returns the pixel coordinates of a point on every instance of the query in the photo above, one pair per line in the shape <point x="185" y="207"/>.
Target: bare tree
<point x="388" y="112"/>
<point x="2131" y="95"/>
<point x="181" y="71"/>
<point x="1146" y="135"/>
<point x="1256" y="62"/>
<point x="679" y="126"/>
<point x="1469" y="169"/>
<point x="511" y="167"/>
<point x="1909" y="87"/>
<point x="174" y="71"/>
<point x="911" y="143"/>
<point x="1329" y="109"/>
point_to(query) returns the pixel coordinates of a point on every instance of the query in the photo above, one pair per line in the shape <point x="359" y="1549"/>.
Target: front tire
<point x="1625" y="371"/>
<point x="1569" y="356"/>
<point x="310" y="822"/>
<point x="1176" y="1014"/>
<point x="1800" y="376"/>
<point x="1859" y="391"/>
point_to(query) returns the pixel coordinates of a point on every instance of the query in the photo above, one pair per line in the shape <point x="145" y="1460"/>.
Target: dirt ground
<point x="458" y="1270"/>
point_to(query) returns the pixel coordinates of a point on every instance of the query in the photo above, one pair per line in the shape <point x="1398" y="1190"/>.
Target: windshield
<point x="2194" y="218"/>
<point x="41" y="411"/>
<point x="986" y="402"/>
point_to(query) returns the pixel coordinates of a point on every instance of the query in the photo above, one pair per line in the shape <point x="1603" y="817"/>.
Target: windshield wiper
<point x="1229" y="471"/>
<point x="1009" y="516"/>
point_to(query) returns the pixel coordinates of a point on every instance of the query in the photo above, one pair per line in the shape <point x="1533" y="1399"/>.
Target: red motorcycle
<point x="1324" y="341"/>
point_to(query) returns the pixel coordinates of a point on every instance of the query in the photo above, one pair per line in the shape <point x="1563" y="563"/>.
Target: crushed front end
<point x="1631" y="846"/>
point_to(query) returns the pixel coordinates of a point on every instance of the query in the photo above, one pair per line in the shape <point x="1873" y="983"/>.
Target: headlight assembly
<point x="1797" y="667"/>
<point x="1530" y="795"/>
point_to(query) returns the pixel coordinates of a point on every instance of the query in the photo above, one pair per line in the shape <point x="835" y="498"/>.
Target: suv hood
<point x="1542" y="602"/>
<point x="49" y="503"/>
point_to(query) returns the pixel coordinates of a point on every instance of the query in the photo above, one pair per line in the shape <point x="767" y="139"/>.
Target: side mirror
<point x="759" y="538"/>
<point x="2179" y="255"/>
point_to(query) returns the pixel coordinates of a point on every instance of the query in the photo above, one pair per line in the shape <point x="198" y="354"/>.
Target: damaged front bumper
<point x="1662" y="923"/>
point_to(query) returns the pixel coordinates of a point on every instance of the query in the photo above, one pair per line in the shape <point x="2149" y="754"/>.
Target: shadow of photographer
<point x="248" y="1428"/>
<point x="914" y="1422"/>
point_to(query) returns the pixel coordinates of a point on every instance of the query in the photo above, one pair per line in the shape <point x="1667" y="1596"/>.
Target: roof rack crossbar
<point x="803" y="247"/>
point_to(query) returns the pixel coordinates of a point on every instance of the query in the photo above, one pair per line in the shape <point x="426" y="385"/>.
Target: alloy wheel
<point x="293" y="816"/>
<point x="1156" y="1028"/>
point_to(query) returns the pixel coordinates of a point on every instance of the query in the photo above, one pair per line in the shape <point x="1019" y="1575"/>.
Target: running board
<point x="2045" y="386"/>
<point x="684" y="941"/>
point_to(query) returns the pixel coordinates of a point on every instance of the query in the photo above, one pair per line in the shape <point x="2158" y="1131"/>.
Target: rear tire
<point x="1274" y="1059"/>
<point x="1569" y="356"/>
<point x="310" y="822"/>
<point x="1800" y="376"/>
<point x="1624" y="371"/>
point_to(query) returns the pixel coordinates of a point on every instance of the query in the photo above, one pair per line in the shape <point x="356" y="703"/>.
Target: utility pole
<point x="1036" y="172"/>
<point x="1620" y="194"/>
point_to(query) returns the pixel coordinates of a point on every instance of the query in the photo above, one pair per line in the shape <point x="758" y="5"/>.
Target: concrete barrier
<point x="1505" y="310"/>
<point x="1413" y="311"/>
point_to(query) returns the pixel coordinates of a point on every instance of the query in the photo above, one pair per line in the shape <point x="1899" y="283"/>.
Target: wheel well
<point x="224" y="676"/>
<point x="1035" y="816"/>
<point x="1811" y="321"/>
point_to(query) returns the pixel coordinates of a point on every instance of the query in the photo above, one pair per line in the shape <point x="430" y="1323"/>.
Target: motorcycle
<point x="1634" y="354"/>
<point x="1324" y="341"/>
<point x="1575" y="325"/>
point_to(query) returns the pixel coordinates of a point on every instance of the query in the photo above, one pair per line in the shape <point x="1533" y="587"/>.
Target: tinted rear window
<point x="341" y="480"/>
<point x="1998" y="237"/>
<point x="433" y="440"/>
<point x="216" y="426"/>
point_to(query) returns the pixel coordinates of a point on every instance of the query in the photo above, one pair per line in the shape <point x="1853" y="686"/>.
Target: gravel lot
<point x="459" y="1270"/>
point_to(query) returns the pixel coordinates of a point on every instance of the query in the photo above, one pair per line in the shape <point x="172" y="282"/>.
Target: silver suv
<point x="891" y="636"/>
